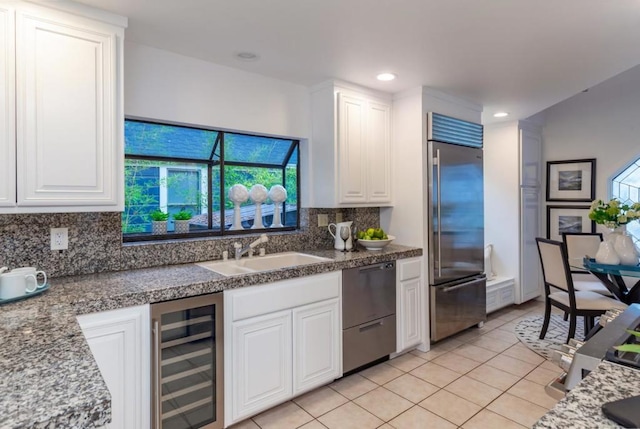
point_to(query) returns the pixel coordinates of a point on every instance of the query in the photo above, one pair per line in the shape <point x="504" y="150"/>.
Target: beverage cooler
<point x="187" y="363"/>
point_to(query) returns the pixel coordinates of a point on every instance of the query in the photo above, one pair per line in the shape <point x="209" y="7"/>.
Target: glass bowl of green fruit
<point x="374" y="238"/>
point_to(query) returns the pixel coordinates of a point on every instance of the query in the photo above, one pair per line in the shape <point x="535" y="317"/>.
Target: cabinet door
<point x="69" y="146"/>
<point x="317" y="339"/>
<point x="120" y="343"/>
<point x="378" y="153"/>
<point x="410" y="315"/>
<point x="7" y="107"/>
<point x="530" y="167"/>
<point x="352" y="149"/>
<point x="261" y="363"/>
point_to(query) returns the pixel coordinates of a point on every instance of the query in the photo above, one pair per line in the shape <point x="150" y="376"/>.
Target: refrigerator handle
<point x="156" y="375"/>
<point x="436" y="163"/>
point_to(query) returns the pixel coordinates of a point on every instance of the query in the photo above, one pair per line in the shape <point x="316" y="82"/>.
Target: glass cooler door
<point x="187" y="368"/>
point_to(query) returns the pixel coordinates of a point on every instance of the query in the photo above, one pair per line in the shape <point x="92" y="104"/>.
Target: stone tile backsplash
<point x="95" y="242"/>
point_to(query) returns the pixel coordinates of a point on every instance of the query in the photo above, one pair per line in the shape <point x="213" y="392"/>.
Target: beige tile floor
<point x="481" y="378"/>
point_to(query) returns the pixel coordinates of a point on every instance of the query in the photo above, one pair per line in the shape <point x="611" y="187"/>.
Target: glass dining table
<point x="612" y="276"/>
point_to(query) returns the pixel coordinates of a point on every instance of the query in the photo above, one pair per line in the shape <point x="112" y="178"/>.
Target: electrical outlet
<point x="339" y="217"/>
<point x="59" y="238"/>
<point x="323" y="220"/>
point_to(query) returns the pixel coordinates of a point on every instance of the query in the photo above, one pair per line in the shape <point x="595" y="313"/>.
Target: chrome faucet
<point x="242" y="250"/>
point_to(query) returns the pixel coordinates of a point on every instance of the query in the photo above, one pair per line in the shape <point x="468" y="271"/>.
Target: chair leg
<point x="572" y="326"/>
<point x="547" y="316"/>
<point x="566" y="316"/>
<point x="588" y="323"/>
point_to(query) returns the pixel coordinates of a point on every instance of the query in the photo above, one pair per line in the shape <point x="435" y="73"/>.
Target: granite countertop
<point x="581" y="407"/>
<point x="48" y="377"/>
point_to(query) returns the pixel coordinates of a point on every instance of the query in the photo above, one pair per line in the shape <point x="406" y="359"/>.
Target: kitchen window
<point x="179" y="168"/>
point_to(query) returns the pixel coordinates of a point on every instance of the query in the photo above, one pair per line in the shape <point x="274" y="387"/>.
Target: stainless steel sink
<point x="262" y="263"/>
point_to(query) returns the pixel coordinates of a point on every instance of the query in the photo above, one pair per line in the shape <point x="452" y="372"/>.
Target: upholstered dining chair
<point x="579" y="245"/>
<point x="560" y="292"/>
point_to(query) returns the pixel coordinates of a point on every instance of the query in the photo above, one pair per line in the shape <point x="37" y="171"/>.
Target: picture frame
<point x="571" y="180"/>
<point x="568" y="219"/>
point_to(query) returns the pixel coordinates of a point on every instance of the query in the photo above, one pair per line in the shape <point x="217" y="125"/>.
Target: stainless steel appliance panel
<point x="187" y="363"/>
<point x="368" y="342"/>
<point x="457" y="306"/>
<point x="368" y="293"/>
<point x="368" y="314"/>
<point x="456" y="212"/>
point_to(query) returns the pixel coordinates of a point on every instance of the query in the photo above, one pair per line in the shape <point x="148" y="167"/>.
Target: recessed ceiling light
<point x="386" y="76"/>
<point x="500" y="115"/>
<point x="247" y="56"/>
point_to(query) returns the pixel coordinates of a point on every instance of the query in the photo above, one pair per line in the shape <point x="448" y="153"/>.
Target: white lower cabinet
<point x="409" y="305"/>
<point x="316" y="345"/>
<point x="262" y="363"/>
<point x="120" y="343"/>
<point x="500" y="293"/>
<point x="281" y="340"/>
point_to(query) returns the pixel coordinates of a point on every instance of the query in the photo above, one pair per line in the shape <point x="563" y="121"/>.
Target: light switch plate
<point x="339" y="217"/>
<point x="323" y="220"/>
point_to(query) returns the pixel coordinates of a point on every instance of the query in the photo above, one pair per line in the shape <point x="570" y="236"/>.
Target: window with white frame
<point x="177" y="168"/>
<point x="626" y="187"/>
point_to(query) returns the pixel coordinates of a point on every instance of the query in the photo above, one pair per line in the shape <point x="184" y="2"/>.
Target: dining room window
<point x="186" y="169"/>
<point x="625" y="186"/>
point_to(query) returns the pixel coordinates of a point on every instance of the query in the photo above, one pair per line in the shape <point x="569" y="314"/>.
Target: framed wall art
<point x="572" y="180"/>
<point x="568" y="219"/>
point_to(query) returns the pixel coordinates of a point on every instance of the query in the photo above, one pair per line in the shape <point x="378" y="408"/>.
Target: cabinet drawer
<point x="409" y="269"/>
<point x="258" y="300"/>
<point x="365" y="343"/>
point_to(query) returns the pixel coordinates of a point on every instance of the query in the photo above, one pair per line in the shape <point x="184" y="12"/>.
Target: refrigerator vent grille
<point x="451" y="130"/>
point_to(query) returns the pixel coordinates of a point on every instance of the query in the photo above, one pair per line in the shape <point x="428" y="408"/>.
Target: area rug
<point x="528" y="332"/>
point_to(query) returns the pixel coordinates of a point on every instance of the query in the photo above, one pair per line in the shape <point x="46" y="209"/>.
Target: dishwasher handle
<point x="381" y="266"/>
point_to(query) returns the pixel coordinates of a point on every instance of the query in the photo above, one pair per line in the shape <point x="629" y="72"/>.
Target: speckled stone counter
<point x="581" y="408"/>
<point x="48" y="377"/>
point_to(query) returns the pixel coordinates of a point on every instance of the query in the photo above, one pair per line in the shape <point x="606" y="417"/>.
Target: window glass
<point x="626" y="187"/>
<point x="255" y="150"/>
<point x="169" y="141"/>
<point x="174" y="168"/>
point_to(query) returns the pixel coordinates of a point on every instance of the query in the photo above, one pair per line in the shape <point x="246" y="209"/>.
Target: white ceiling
<point x="520" y="56"/>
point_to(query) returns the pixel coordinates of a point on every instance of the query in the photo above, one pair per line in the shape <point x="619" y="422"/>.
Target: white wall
<point x="167" y="86"/>
<point x="603" y="123"/>
<point x="404" y="220"/>
<point x="502" y="197"/>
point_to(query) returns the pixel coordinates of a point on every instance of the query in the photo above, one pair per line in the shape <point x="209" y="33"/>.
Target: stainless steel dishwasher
<point x="368" y="314"/>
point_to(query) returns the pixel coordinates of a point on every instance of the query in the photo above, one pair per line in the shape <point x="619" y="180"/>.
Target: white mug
<point x="33" y="282"/>
<point x="13" y="285"/>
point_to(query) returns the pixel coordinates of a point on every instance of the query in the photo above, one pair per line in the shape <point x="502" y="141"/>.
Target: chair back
<point x="555" y="266"/>
<point x="580" y="244"/>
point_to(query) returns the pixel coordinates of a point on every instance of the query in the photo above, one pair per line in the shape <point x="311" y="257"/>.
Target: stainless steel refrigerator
<point x="455" y="217"/>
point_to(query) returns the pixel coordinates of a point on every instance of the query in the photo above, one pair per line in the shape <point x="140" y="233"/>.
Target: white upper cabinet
<point x="69" y="149"/>
<point x="350" y="149"/>
<point x="7" y="108"/>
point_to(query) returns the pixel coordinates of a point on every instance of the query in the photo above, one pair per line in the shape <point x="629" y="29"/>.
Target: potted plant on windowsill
<point x="181" y="221"/>
<point x="158" y="222"/>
